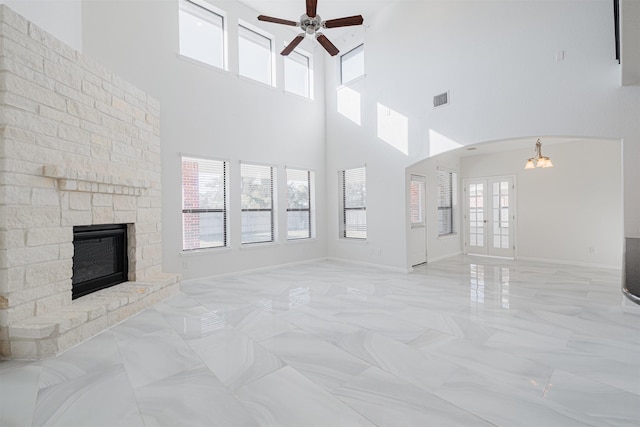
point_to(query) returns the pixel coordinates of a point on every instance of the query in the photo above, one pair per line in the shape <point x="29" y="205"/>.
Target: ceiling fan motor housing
<point x="310" y="25"/>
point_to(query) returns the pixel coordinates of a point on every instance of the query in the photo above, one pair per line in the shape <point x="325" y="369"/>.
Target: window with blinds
<point x="299" y="213"/>
<point x="297" y="74"/>
<point x="447" y="199"/>
<point x="204" y="203"/>
<point x="257" y="203"/>
<point x="417" y="191"/>
<point x="353" y="203"/>
<point x="255" y="55"/>
<point x="352" y="64"/>
<point x="201" y="33"/>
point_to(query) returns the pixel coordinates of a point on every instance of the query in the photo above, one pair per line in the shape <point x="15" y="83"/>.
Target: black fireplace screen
<point x="99" y="259"/>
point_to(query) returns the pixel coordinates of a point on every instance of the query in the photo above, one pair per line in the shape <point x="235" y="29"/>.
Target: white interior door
<point x="490" y="216"/>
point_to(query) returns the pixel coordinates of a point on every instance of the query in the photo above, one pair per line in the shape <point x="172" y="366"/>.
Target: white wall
<point x="61" y="18"/>
<point x="215" y="114"/>
<point x="567" y="212"/>
<point x="498" y="60"/>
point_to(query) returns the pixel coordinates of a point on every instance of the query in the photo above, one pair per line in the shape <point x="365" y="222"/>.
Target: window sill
<point x="353" y="241"/>
<point x="245" y="246"/>
<point x="351" y="82"/>
<point x="301" y="241"/>
<point x="258" y="82"/>
<point x="418" y="226"/>
<point x="202" y="64"/>
<point x="204" y="251"/>
<point x="448" y="236"/>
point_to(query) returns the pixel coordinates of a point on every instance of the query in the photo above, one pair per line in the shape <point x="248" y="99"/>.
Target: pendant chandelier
<point x="539" y="161"/>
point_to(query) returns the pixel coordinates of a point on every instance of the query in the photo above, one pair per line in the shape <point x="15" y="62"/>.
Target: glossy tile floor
<point x="461" y="342"/>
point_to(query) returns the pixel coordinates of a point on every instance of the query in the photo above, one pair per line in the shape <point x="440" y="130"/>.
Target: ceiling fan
<point x="310" y="23"/>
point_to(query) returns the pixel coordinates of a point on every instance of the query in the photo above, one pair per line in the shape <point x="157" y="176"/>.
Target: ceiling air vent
<point x="440" y="100"/>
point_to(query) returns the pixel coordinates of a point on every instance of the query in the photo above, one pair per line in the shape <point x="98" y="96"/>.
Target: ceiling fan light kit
<point x="311" y="23"/>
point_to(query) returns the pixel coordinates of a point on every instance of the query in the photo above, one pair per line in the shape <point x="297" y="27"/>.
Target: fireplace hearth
<point x="100" y="258"/>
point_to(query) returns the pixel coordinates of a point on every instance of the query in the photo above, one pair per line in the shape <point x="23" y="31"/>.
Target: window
<point x="417" y="191"/>
<point x="299" y="219"/>
<point x="255" y="55"/>
<point x="447" y="199"/>
<point x="201" y="33"/>
<point x="204" y="203"/>
<point x="297" y="73"/>
<point x="257" y="203"/>
<point x="352" y="64"/>
<point x="353" y="201"/>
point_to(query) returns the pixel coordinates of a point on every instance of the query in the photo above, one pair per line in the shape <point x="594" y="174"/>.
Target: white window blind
<point x="297" y="74"/>
<point x="299" y="213"/>
<point x="447" y="182"/>
<point x="254" y="55"/>
<point x="204" y="203"/>
<point x="352" y="64"/>
<point x="201" y="34"/>
<point x="353" y="192"/>
<point x="257" y="203"/>
<point x="417" y="191"/>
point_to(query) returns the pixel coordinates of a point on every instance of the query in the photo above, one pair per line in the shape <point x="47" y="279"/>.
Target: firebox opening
<point x="100" y="258"/>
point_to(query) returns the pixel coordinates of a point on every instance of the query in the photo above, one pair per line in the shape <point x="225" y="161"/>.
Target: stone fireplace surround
<point x="78" y="146"/>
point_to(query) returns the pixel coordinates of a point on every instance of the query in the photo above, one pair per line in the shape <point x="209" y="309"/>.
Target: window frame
<point x="310" y="202"/>
<point x="224" y="210"/>
<point x="450" y="230"/>
<point x="272" y="210"/>
<point x="272" y="58"/>
<point x="422" y="193"/>
<point x="309" y="59"/>
<point x="207" y="8"/>
<point x="341" y="65"/>
<point x="343" y="204"/>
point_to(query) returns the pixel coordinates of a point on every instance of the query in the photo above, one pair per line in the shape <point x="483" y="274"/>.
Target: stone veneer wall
<point x="78" y="146"/>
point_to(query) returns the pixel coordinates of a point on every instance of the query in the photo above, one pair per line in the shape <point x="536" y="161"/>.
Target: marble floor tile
<point x="98" y="354"/>
<point x="191" y="398"/>
<point x="322" y="362"/>
<point x="156" y="356"/>
<point x="102" y="398"/>
<point x="19" y="383"/>
<point x="609" y="404"/>
<point x="390" y="401"/>
<point x="287" y="398"/>
<point x="462" y="341"/>
<point x="234" y="358"/>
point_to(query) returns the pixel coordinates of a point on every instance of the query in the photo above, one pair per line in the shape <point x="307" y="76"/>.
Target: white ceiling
<point x="327" y="9"/>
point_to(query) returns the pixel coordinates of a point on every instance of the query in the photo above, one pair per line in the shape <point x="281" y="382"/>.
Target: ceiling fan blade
<point x="343" y="22"/>
<point x="277" y="20"/>
<point x="312" y="5"/>
<point x="295" y="42"/>
<point x="326" y="44"/>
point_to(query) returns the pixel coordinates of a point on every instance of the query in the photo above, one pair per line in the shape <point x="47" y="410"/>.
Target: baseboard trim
<point x="568" y="262"/>
<point x="256" y="270"/>
<point x="371" y="265"/>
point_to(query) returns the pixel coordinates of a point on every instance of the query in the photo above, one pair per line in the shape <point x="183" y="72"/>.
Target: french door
<point x="489" y="216"/>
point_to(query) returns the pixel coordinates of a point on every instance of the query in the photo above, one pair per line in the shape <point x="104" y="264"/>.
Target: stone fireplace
<point x="79" y="146"/>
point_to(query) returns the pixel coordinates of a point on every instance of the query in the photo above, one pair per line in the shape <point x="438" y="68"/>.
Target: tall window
<point x="447" y="200"/>
<point x="257" y="203"/>
<point x="204" y="203"/>
<point x="353" y="203"/>
<point x="417" y="192"/>
<point x="352" y="64"/>
<point x="201" y="33"/>
<point x="297" y="74"/>
<point x="299" y="213"/>
<point x="255" y="54"/>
